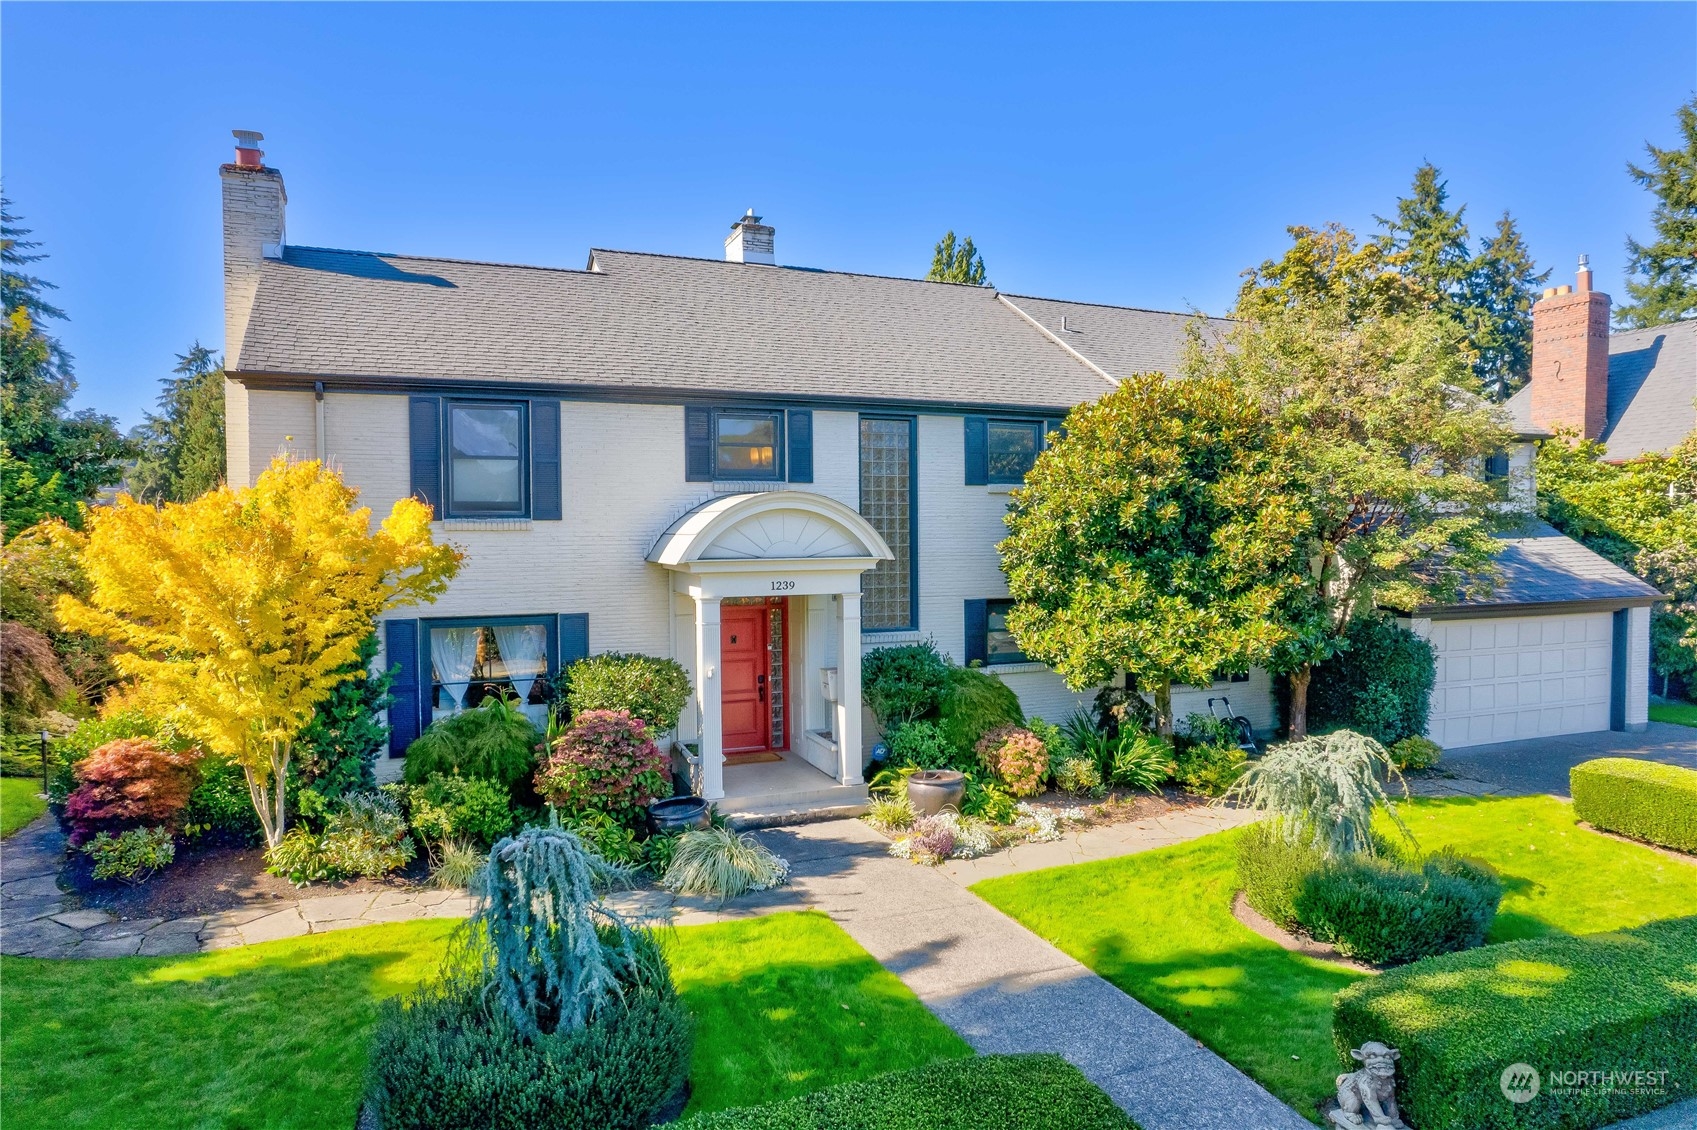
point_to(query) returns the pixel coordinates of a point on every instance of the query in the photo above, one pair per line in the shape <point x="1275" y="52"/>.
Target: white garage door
<point x="1520" y="677"/>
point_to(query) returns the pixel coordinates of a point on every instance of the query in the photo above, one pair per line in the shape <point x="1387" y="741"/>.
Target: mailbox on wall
<point x="828" y="683"/>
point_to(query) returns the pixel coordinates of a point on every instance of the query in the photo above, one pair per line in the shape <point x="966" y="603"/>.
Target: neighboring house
<point x="757" y="470"/>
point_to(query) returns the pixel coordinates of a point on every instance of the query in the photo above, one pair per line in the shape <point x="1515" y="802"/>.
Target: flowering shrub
<point x="132" y="855"/>
<point x="1016" y="755"/>
<point x="949" y="835"/>
<point x="126" y="783"/>
<point x="605" y="762"/>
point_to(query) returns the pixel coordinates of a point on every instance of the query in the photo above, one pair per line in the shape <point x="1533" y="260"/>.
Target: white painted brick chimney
<point x="254" y="201"/>
<point x="750" y="241"/>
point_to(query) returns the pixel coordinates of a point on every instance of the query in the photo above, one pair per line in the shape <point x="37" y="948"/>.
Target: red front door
<point x="745" y="660"/>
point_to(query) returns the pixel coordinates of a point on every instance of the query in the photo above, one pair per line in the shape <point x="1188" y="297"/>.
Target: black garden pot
<point x="677" y="814"/>
<point x="932" y="790"/>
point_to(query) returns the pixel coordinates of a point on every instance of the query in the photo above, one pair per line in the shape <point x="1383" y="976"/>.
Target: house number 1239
<point x="782" y="586"/>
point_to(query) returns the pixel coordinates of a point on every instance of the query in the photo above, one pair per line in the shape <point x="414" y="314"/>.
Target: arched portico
<point x="806" y="549"/>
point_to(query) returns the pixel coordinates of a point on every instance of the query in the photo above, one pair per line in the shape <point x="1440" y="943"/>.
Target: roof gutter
<point x="1533" y="608"/>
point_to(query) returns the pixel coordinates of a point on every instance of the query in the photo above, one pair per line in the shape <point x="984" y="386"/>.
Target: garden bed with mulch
<point x="206" y="880"/>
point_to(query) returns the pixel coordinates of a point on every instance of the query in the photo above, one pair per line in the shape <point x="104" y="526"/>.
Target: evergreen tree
<point x="1488" y="294"/>
<point x="953" y="264"/>
<point x="1663" y="273"/>
<point x="182" y="445"/>
<point x="51" y="461"/>
<point x="1329" y="268"/>
<point x="1500" y="291"/>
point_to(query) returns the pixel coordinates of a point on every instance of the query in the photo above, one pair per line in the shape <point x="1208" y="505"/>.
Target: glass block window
<point x="486" y="458"/>
<point x="887" y="501"/>
<point x="775" y="681"/>
<point x="1013" y="447"/>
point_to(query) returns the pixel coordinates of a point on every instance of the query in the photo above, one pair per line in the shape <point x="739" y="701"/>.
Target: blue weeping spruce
<point x="552" y="1010"/>
<point x="558" y="955"/>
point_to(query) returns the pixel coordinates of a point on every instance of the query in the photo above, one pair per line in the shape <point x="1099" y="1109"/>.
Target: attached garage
<point x="1502" y="680"/>
<point x="1561" y="646"/>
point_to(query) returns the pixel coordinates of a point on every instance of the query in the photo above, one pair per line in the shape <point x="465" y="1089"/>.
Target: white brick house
<point x="758" y="470"/>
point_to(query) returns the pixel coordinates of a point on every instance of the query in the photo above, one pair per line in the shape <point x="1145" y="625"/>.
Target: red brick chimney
<point x="1570" y="357"/>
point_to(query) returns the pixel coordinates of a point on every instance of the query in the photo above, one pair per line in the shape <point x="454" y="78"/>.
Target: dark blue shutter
<point x="977" y="451"/>
<point x="425" y="419"/>
<point x="698" y="445"/>
<point x="801" y="445"/>
<point x="406" y="713"/>
<point x="574" y="637"/>
<point x="977" y="631"/>
<point x="545" y="460"/>
<point x="1053" y="430"/>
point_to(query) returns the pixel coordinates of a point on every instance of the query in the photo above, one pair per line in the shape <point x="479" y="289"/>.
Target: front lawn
<point x="20" y="803"/>
<point x="1159" y="925"/>
<point x="1679" y="713"/>
<point x="274" y="1036"/>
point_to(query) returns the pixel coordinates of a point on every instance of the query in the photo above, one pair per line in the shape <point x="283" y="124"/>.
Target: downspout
<point x="318" y="407"/>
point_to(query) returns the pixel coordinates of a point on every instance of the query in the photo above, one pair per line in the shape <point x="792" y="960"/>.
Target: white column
<point x="708" y="698"/>
<point x="1637" y="670"/>
<point x="848" y="691"/>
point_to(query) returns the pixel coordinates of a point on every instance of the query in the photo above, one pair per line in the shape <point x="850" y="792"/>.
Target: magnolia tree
<point x="1160" y="536"/>
<point x="1393" y="430"/>
<point x="239" y="612"/>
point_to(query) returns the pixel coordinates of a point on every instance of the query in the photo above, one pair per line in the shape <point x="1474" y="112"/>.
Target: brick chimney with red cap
<point x="1570" y="357"/>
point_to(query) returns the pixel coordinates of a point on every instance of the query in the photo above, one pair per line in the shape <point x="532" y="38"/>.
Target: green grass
<point x="788" y="1003"/>
<point x="1159" y="925"/>
<point x="993" y="1092"/>
<point x="1679" y="713"/>
<point x="274" y="1036"/>
<point x="20" y="803"/>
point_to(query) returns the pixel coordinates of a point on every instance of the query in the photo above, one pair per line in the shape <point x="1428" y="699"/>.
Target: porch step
<point x="774" y="810"/>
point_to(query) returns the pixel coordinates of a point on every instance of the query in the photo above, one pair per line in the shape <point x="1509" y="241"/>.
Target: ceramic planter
<point x="932" y="790"/>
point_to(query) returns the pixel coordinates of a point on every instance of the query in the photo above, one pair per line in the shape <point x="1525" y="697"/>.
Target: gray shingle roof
<point x="660" y="323"/>
<point x="1652" y="391"/>
<point x="1117" y="339"/>
<point x="1544" y="566"/>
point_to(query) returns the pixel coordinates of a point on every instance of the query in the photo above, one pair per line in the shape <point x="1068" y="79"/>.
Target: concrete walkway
<point x="1541" y="765"/>
<point x="1006" y="990"/>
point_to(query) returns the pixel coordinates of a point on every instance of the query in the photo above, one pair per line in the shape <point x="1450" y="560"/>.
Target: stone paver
<point x="1006" y="990"/>
<point x="1541" y="765"/>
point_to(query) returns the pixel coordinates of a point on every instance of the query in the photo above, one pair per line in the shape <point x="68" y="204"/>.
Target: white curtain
<point x="524" y="649"/>
<point x="453" y="654"/>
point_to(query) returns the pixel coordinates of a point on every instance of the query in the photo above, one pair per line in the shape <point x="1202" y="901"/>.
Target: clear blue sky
<point x="1141" y="155"/>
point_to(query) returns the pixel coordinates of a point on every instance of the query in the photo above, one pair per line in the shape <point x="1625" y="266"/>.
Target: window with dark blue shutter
<point x="406" y="712"/>
<point x="545" y="501"/>
<point x="977" y="626"/>
<point x="425" y="446"/>
<point x="574" y="638"/>
<point x="698" y="444"/>
<point x="1011" y="449"/>
<point x="801" y="445"/>
<point x="977" y="451"/>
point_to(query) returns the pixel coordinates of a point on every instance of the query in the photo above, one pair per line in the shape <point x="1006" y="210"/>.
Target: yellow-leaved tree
<point x="239" y="611"/>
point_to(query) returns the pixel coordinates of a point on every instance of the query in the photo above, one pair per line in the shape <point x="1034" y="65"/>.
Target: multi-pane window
<point x="486" y="443"/>
<point x="746" y="445"/>
<point x="887" y="502"/>
<point x="1013" y="447"/>
<point x="999" y="644"/>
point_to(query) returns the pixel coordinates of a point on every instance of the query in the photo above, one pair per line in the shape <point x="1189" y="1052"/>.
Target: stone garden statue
<point x="1367" y="1097"/>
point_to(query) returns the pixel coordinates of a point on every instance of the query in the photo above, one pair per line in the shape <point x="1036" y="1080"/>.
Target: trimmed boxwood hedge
<point x="992" y="1092"/>
<point x="1604" y="1002"/>
<point x="1642" y="799"/>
